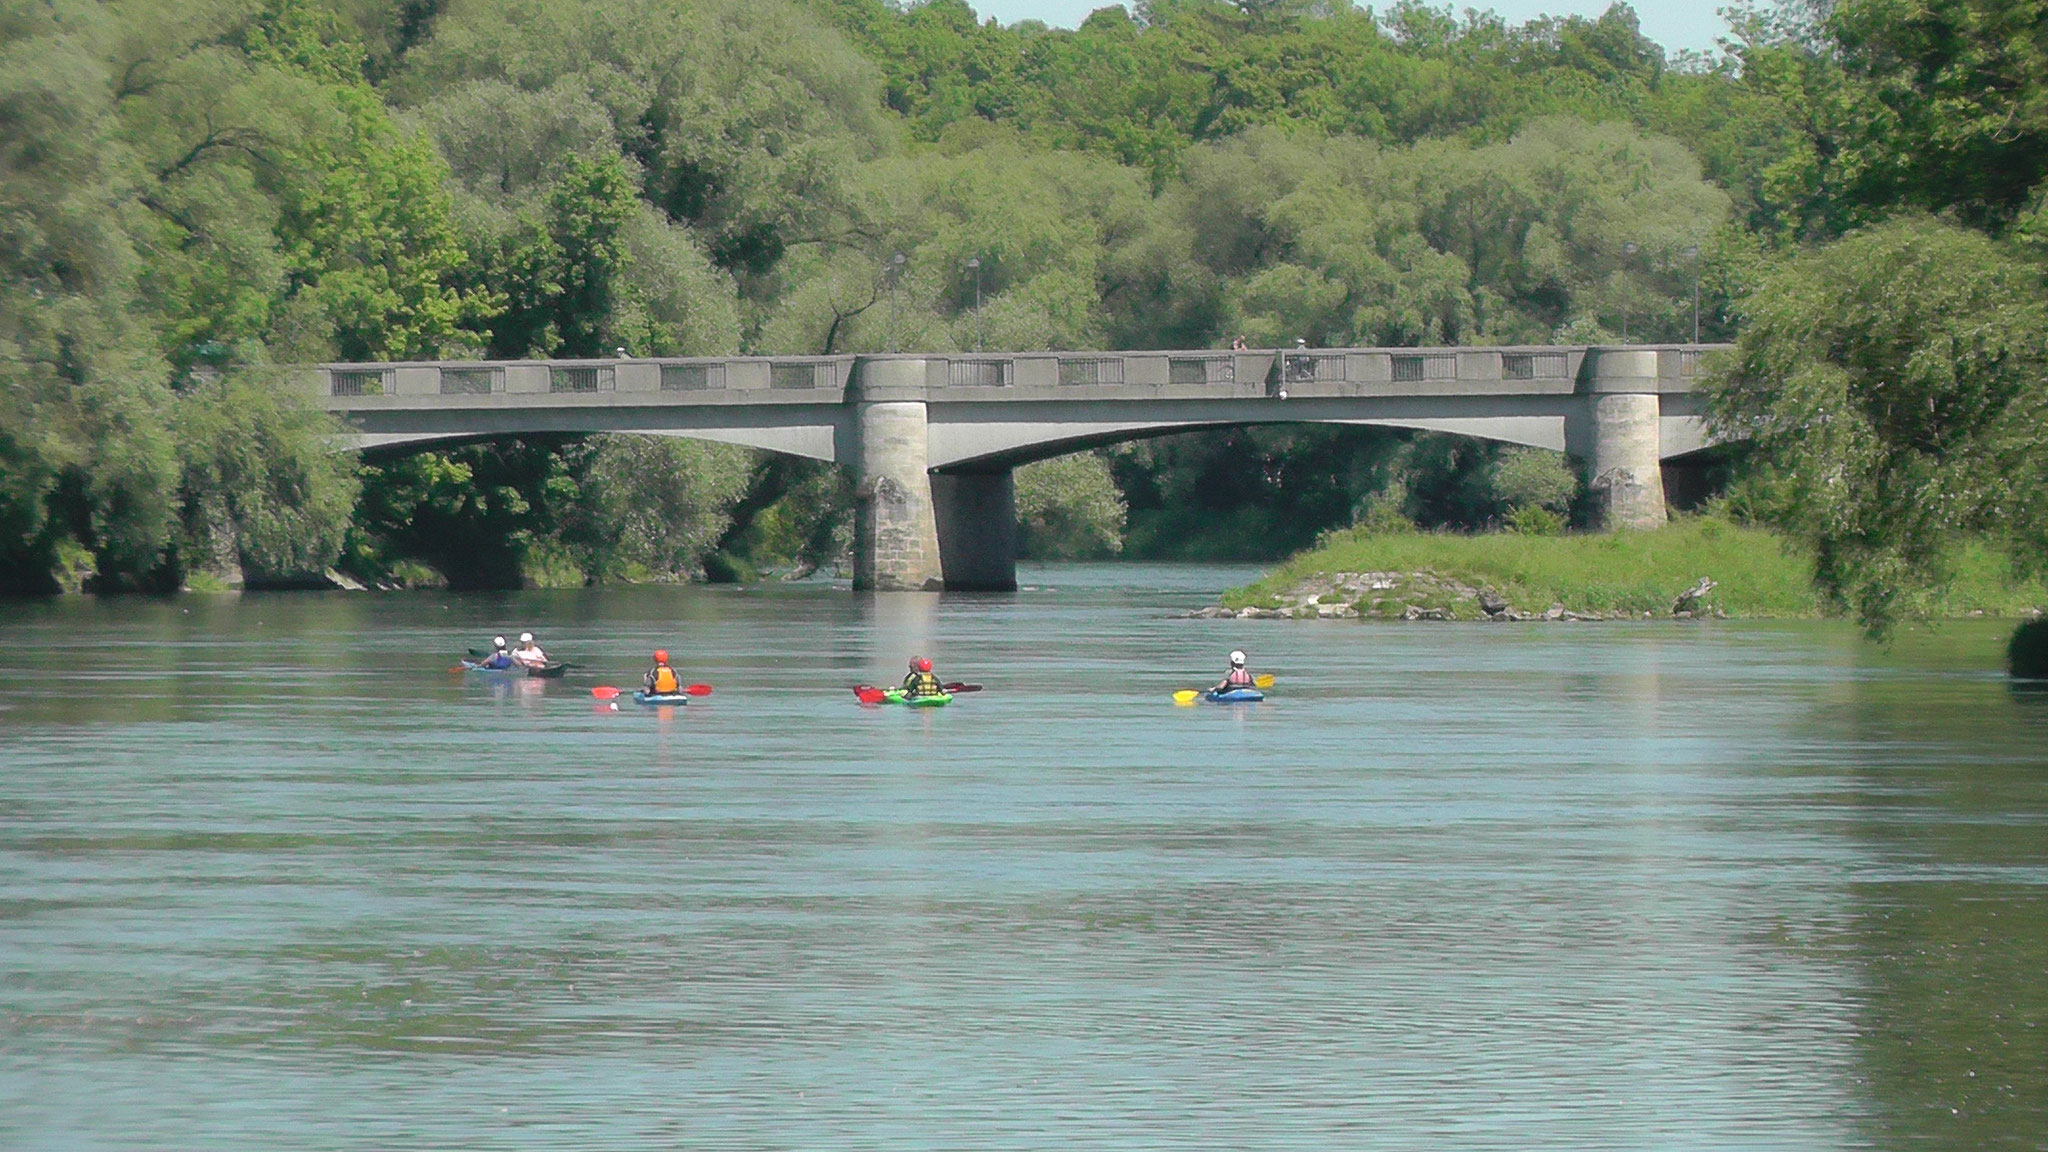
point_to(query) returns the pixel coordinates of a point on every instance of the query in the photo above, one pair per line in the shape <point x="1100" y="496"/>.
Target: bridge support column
<point x="977" y="514"/>
<point x="1625" y="449"/>
<point x="895" y="533"/>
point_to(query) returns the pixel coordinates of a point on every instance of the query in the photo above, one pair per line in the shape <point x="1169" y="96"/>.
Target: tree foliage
<point x="1905" y="402"/>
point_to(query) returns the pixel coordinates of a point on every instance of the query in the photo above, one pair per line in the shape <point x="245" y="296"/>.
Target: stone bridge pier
<point x="895" y="526"/>
<point x="1619" y="437"/>
<point x="915" y="529"/>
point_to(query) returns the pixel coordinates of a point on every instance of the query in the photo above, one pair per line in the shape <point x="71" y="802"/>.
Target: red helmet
<point x="661" y="655"/>
<point x="922" y="664"/>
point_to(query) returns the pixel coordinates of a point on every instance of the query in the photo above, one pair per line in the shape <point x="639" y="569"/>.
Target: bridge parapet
<point x="1303" y="372"/>
<point x="1199" y="374"/>
<point x="541" y="383"/>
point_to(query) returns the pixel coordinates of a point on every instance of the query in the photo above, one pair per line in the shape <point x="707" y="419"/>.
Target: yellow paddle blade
<point x="1263" y="680"/>
<point x="1185" y="696"/>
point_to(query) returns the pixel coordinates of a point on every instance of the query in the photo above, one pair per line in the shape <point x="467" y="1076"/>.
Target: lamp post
<point x="1692" y="253"/>
<point x="892" y="271"/>
<point x="974" y="262"/>
<point x="1628" y="249"/>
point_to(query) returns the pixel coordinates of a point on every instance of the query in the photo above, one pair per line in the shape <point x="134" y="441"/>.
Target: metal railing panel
<point x="472" y="381"/>
<point x="692" y="377"/>
<point x="579" y="378"/>
<point x="359" y="382"/>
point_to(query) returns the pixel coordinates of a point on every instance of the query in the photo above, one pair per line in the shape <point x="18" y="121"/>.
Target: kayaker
<point x="499" y="659"/>
<point x="1238" y="676"/>
<point x="529" y="653"/>
<point x="921" y="682"/>
<point x="661" y="680"/>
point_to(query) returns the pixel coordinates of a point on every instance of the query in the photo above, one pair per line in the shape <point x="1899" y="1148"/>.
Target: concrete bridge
<point x="932" y="439"/>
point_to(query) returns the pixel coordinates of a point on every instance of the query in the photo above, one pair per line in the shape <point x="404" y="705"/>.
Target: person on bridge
<point x="921" y="682"/>
<point x="529" y="653"/>
<point x="499" y="659"/>
<point x="1238" y="677"/>
<point x="661" y="680"/>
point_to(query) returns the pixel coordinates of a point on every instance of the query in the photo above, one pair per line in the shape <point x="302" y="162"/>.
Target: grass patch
<point x="1759" y="576"/>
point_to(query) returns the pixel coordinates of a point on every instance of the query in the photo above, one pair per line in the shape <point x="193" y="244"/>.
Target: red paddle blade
<point x="956" y="687"/>
<point x="869" y="694"/>
<point x="698" y="689"/>
<point x="605" y="692"/>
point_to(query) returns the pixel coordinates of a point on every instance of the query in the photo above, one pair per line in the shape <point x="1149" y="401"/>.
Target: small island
<point x="1696" y="566"/>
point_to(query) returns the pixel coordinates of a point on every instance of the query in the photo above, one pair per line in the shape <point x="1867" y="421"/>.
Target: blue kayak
<point x="1234" y="696"/>
<point x="550" y="671"/>
<point x="663" y="700"/>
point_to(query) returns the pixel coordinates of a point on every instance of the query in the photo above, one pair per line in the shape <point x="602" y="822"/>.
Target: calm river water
<point x="270" y="877"/>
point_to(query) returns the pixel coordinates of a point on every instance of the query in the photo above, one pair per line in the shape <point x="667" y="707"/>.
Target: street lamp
<point x="1692" y="253"/>
<point x="1628" y="249"/>
<point x="974" y="262"/>
<point x="891" y="272"/>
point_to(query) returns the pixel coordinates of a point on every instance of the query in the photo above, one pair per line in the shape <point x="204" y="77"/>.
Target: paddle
<point x="869" y="694"/>
<point x="607" y="692"/>
<point x="957" y="687"/>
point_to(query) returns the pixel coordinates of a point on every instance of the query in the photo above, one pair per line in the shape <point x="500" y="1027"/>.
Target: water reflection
<point x="1951" y="917"/>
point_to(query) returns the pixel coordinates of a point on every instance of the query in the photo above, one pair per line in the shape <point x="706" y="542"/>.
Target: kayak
<point x="1234" y="696"/>
<point x="660" y="699"/>
<point x="896" y="696"/>
<point x="549" y="671"/>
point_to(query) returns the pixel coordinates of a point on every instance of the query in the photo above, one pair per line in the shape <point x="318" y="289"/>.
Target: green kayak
<point x="896" y="696"/>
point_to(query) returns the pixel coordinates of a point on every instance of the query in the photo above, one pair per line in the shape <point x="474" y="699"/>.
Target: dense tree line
<point x="192" y="195"/>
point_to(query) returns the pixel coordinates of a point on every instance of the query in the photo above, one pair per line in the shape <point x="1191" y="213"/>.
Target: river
<point x="271" y="877"/>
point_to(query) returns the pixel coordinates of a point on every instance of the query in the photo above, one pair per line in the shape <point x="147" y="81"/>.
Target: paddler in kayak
<point x="1238" y="677"/>
<point x="499" y="659"/>
<point x="529" y="653"/>
<point x="921" y="682"/>
<point x="661" y="680"/>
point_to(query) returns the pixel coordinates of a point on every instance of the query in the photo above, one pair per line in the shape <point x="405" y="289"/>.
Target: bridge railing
<point x="1186" y="374"/>
<point x="753" y="379"/>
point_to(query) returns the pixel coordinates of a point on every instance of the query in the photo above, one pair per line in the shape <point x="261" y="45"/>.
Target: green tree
<point x="262" y="487"/>
<point x="84" y="451"/>
<point x="1893" y="383"/>
<point x="1068" y="508"/>
<point x="652" y="507"/>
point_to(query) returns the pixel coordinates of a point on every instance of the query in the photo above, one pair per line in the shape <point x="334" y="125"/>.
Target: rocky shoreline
<point x="1431" y="595"/>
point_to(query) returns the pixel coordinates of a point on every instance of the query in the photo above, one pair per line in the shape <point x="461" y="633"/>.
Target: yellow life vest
<point x="665" y="681"/>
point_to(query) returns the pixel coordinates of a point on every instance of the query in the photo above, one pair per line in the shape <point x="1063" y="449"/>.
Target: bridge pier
<point x="977" y="516"/>
<point x="895" y="530"/>
<point x="1622" y="439"/>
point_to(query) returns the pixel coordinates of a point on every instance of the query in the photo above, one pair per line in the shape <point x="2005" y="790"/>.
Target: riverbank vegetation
<point x="192" y="195"/>
<point x="1757" y="573"/>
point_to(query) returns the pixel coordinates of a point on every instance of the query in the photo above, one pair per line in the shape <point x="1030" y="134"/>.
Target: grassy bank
<point x="1758" y="575"/>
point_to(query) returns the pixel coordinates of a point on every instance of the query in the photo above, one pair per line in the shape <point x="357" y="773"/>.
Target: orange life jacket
<point x="665" y="681"/>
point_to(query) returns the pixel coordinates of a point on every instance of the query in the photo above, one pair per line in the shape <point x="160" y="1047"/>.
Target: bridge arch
<point x="981" y="452"/>
<point x="807" y="442"/>
<point x="765" y="440"/>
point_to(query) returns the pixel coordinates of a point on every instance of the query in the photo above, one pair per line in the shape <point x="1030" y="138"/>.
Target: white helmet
<point x="1237" y="659"/>
<point x="526" y="637"/>
<point x="497" y="641"/>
